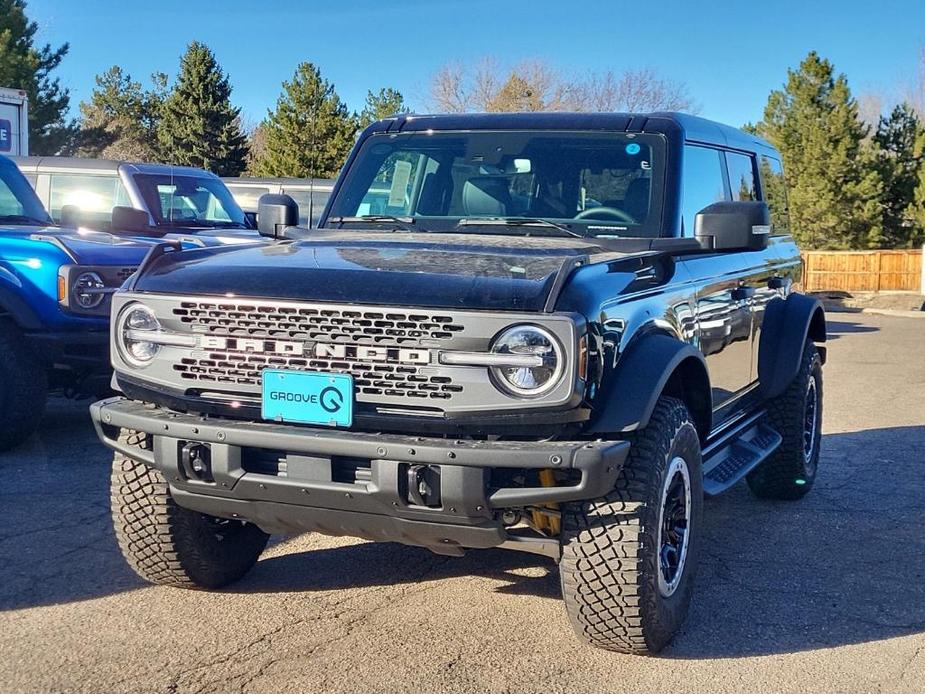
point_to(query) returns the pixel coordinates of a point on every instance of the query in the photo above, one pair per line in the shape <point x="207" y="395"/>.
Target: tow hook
<point x="196" y="461"/>
<point x="423" y="485"/>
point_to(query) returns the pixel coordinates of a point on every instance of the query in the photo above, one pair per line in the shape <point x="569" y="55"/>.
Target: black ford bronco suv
<point x="552" y="333"/>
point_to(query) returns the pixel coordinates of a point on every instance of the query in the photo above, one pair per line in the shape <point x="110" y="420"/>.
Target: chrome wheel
<point x="674" y="526"/>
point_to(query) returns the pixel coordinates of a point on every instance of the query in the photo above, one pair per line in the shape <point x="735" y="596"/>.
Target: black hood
<point x="465" y="271"/>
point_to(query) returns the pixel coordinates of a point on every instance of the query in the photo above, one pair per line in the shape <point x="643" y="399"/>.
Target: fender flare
<point x="787" y="325"/>
<point x="14" y="306"/>
<point x="650" y="366"/>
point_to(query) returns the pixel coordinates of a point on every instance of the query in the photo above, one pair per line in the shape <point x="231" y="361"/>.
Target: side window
<point x="741" y="176"/>
<point x="95" y="196"/>
<point x="247" y="196"/>
<point x="774" y="189"/>
<point x="702" y="183"/>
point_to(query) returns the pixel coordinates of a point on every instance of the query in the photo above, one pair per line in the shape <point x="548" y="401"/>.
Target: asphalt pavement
<point x="822" y="595"/>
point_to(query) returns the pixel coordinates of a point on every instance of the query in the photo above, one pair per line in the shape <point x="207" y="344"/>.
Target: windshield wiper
<point x="521" y="222"/>
<point x="24" y="219"/>
<point x="201" y="223"/>
<point x="404" y="223"/>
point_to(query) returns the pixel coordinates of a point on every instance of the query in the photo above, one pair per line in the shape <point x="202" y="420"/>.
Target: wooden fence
<point x="863" y="271"/>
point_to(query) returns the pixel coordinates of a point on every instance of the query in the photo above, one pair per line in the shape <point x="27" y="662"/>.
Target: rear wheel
<point x="796" y="414"/>
<point x="169" y="545"/>
<point x="628" y="559"/>
<point x="23" y="389"/>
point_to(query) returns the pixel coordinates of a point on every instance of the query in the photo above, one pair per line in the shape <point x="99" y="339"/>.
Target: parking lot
<point x="823" y="595"/>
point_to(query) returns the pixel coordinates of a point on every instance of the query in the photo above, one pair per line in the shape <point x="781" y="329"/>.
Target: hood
<point x="464" y="271"/>
<point x="86" y="247"/>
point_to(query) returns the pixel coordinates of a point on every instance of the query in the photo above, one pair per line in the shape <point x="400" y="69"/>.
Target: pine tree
<point x="899" y="167"/>
<point x="916" y="211"/>
<point x="27" y="67"/>
<point x="120" y="120"/>
<point x="198" y="125"/>
<point x="834" y="184"/>
<point x="310" y="132"/>
<point x="382" y="104"/>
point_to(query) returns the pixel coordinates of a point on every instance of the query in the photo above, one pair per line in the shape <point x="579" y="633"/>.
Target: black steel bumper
<point x="305" y="491"/>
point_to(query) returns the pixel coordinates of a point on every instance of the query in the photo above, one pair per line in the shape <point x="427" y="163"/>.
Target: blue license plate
<point x="308" y="397"/>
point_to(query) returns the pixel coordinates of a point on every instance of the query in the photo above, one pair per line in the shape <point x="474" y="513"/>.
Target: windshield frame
<point x="359" y="177"/>
<point x="146" y="184"/>
<point x="24" y="194"/>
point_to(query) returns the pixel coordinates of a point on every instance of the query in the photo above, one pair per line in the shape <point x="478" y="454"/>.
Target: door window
<point x="741" y="169"/>
<point x="94" y="196"/>
<point x="702" y="183"/>
<point x="774" y="190"/>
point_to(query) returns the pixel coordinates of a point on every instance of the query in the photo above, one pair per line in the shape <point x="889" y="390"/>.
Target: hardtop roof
<point x="693" y="128"/>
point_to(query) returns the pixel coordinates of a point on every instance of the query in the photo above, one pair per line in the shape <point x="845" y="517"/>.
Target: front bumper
<point x="307" y="488"/>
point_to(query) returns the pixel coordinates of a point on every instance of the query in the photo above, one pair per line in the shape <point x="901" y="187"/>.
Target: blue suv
<point x="55" y="287"/>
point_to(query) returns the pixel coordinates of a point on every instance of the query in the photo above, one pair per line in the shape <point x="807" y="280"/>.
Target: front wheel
<point x="167" y="544"/>
<point x="23" y="389"/>
<point x="628" y="559"/>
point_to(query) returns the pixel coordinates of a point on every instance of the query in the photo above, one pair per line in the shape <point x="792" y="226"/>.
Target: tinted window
<point x="18" y="202"/>
<point x="596" y="183"/>
<point x="702" y="183"/>
<point x="741" y="176"/>
<point x="775" y="194"/>
<point x="94" y="196"/>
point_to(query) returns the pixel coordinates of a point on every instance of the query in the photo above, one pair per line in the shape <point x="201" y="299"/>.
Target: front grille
<point x="338" y="325"/>
<point x="371" y="379"/>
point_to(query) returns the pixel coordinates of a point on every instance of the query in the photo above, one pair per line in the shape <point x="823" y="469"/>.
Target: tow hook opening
<point x="196" y="461"/>
<point x="421" y="485"/>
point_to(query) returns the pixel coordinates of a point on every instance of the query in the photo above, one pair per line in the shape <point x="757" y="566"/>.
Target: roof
<point x="317" y="183"/>
<point x="102" y="166"/>
<point x="694" y="128"/>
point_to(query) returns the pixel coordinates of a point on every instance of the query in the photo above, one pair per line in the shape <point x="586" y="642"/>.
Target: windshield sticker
<point x="633" y="148"/>
<point x="400" y="177"/>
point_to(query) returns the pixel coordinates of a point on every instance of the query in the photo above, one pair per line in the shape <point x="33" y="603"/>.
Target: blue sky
<point x="730" y="54"/>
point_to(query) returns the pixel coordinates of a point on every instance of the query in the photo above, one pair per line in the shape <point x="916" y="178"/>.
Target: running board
<point x="739" y="452"/>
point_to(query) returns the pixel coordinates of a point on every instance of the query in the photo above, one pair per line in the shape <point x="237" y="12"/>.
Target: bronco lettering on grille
<point x="321" y="350"/>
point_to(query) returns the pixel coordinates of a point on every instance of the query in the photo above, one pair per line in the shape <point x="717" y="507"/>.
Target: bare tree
<point x="535" y="85"/>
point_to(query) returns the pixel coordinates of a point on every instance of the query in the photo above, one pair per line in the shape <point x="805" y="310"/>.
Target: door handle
<point x="776" y="283"/>
<point x="742" y="293"/>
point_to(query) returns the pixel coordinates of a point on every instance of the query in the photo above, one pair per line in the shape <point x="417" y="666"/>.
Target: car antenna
<point x="311" y="162"/>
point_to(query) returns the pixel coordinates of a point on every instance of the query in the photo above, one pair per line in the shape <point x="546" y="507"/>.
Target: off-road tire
<point x="23" y="388"/>
<point x="609" y="565"/>
<point x="169" y="545"/>
<point x="787" y="474"/>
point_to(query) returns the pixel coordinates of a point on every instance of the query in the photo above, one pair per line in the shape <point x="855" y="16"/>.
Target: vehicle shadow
<point x="836" y="328"/>
<point x="845" y="565"/>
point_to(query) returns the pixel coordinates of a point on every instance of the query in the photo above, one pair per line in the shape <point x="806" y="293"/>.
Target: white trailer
<point x="14" y="122"/>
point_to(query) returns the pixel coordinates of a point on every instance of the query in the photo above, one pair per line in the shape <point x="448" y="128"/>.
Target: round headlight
<point x="133" y="319"/>
<point x="88" y="290"/>
<point x="530" y="341"/>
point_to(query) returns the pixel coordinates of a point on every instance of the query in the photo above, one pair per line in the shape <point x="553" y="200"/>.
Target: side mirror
<point x="251" y="219"/>
<point x="275" y="213"/>
<point x="733" y="226"/>
<point x="129" y="219"/>
<point x="70" y="216"/>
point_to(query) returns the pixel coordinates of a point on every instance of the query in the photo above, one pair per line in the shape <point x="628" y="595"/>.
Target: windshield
<point x="18" y="202"/>
<point x="575" y="183"/>
<point x="189" y="201"/>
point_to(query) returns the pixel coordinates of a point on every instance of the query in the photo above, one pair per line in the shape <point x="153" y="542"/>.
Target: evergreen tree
<point x="899" y="166"/>
<point x="198" y="125"/>
<point x="310" y="132"/>
<point x="120" y="120"/>
<point x="28" y="67"/>
<point x="916" y="210"/>
<point x="834" y="184"/>
<point x="382" y="104"/>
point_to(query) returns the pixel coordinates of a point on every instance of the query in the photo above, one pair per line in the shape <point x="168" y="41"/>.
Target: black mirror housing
<point x="70" y="216"/>
<point x="275" y="213"/>
<point x="129" y="219"/>
<point x="733" y="226"/>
